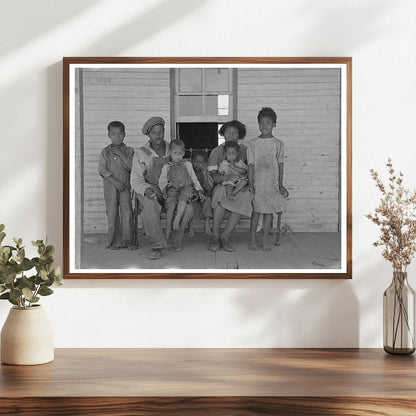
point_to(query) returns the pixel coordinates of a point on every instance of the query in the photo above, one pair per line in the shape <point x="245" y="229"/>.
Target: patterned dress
<point x="265" y="154"/>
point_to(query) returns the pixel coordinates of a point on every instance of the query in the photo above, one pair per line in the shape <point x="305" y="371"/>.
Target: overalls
<point x="118" y="204"/>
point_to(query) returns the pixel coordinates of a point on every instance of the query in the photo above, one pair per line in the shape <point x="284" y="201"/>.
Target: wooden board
<point x="212" y="381"/>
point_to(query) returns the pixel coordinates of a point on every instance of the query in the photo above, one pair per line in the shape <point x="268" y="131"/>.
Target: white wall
<point x="380" y="35"/>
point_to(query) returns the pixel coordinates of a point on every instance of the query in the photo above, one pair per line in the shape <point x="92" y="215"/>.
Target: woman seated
<point x="237" y="203"/>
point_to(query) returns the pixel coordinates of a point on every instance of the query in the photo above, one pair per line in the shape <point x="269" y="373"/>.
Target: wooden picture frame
<point x="313" y="101"/>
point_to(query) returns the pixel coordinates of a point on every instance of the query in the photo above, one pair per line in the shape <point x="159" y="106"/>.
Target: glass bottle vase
<point x="399" y="316"/>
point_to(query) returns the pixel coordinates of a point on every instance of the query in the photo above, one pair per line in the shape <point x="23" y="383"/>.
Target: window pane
<point x="190" y="80"/>
<point x="216" y="80"/>
<point x="211" y="105"/>
<point x="190" y="105"/>
<point x="223" y="105"/>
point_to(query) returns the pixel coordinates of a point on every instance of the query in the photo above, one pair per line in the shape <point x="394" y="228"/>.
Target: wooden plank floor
<point x="297" y="251"/>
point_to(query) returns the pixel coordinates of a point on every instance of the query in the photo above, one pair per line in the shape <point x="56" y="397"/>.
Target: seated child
<point x="233" y="165"/>
<point x="199" y="163"/>
<point x="177" y="182"/>
<point x="115" y="167"/>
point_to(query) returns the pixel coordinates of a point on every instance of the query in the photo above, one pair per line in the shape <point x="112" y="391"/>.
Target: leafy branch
<point x="16" y="285"/>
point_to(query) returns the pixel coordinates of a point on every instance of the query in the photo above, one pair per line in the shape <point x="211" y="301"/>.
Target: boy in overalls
<point x="115" y="167"/>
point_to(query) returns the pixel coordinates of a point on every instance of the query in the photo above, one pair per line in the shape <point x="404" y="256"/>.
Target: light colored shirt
<point x="164" y="182"/>
<point x="142" y="163"/>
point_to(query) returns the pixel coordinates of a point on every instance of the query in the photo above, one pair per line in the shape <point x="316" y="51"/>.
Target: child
<point x="199" y="163"/>
<point x="265" y="156"/>
<point x="233" y="165"/>
<point x="177" y="181"/>
<point x="115" y="167"/>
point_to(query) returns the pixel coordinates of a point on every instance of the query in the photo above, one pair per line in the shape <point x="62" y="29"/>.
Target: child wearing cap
<point x="115" y="167"/>
<point x="177" y="182"/>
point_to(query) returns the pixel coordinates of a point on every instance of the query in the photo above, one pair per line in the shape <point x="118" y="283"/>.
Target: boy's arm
<point x="102" y="166"/>
<point x="194" y="179"/>
<point x="209" y="181"/>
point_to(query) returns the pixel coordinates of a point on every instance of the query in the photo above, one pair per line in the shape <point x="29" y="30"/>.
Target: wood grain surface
<point x="212" y="381"/>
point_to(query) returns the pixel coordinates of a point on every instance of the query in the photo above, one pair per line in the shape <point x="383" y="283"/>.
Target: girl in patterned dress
<point x="265" y="156"/>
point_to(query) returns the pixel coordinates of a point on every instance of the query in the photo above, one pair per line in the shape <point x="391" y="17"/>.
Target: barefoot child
<point x="233" y="165"/>
<point x="115" y="167"/>
<point x="265" y="156"/>
<point x="177" y="182"/>
<point x="199" y="163"/>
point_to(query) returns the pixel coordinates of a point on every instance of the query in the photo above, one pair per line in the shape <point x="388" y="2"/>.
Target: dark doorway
<point x="198" y="136"/>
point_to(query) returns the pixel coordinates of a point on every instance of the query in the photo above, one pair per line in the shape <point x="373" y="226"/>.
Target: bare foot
<point x="113" y="247"/>
<point x="267" y="244"/>
<point x="191" y="231"/>
<point x="133" y="247"/>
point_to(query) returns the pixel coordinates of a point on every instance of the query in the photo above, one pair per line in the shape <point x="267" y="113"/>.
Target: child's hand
<point x="283" y="191"/>
<point x="120" y="186"/>
<point x="201" y="196"/>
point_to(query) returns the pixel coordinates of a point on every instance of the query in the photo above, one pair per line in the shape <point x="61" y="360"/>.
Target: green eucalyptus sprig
<point x="16" y="285"/>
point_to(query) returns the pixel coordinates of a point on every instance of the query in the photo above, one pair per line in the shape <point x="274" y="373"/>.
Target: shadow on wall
<point x="38" y="15"/>
<point x="352" y="24"/>
<point x="301" y="314"/>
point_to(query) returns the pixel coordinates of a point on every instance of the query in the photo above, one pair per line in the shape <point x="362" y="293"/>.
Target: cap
<point x="152" y="122"/>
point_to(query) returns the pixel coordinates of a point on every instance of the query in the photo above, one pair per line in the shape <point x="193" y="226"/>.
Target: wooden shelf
<point x="212" y="382"/>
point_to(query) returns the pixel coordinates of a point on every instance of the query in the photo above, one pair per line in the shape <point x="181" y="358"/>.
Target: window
<point x="203" y="94"/>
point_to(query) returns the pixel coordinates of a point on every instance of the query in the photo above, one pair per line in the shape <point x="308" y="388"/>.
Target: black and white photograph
<point x="217" y="167"/>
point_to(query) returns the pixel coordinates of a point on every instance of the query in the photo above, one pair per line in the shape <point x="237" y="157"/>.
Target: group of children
<point x="183" y="182"/>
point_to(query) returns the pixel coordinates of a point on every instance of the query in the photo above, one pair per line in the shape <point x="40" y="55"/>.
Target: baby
<point x="177" y="182"/>
<point x="233" y="165"/>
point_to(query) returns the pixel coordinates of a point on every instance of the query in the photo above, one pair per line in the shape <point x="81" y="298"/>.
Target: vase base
<point x="399" y="351"/>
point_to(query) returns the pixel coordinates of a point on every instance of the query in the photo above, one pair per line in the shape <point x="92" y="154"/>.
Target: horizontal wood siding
<point x="130" y="96"/>
<point x="307" y="103"/>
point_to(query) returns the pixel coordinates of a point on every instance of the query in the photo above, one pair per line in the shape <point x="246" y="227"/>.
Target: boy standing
<point x="115" y="167"/>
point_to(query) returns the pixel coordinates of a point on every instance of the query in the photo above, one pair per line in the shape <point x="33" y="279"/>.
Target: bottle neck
<point x="400" y="276"/>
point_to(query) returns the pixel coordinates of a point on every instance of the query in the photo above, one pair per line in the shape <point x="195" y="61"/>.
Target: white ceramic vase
<point x="27" y="337"/>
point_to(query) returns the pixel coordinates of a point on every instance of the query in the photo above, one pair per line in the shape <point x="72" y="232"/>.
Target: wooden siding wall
<point x="307" y="103"/>
<point x="130" y="96"/>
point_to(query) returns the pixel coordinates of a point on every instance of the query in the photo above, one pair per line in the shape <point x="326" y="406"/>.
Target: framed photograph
<point x="207" y="167"/>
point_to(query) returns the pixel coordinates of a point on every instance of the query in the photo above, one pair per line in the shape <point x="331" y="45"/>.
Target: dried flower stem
<point x="396" y="216"/>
